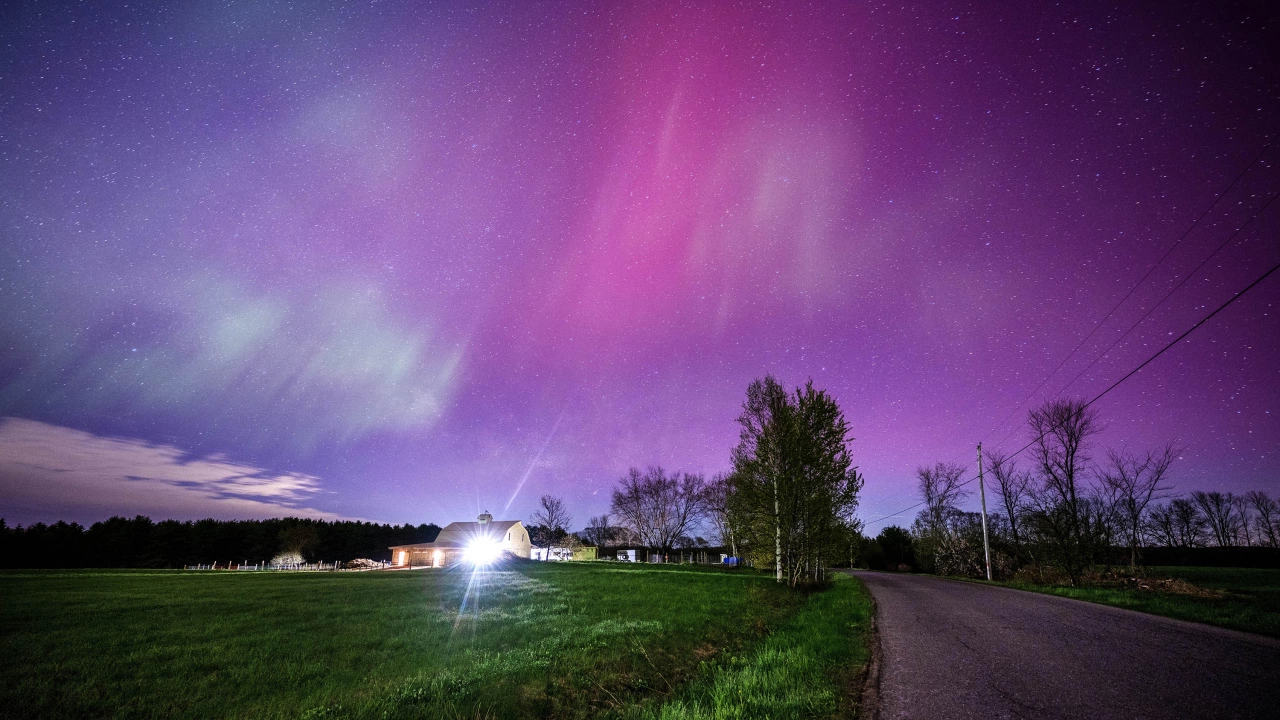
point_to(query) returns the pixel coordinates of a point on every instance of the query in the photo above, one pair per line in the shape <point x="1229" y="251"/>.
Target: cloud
<point x="51" y="472"/>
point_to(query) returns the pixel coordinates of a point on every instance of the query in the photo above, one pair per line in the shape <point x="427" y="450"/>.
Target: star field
<point x="434" y="258"/>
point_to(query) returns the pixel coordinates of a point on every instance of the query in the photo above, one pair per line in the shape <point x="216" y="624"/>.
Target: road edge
<point x="869" y="701"/>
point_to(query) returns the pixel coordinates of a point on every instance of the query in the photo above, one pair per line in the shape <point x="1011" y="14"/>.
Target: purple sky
<point x="405" y="262"/>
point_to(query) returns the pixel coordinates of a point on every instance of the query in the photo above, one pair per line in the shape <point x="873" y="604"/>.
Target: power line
<point x="1168" y="295"/>
<point x="1117" y="383"/>
<point x="1134" y="289"/>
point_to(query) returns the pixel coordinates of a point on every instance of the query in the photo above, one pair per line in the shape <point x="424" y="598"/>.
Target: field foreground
<point x="535" y="640"/>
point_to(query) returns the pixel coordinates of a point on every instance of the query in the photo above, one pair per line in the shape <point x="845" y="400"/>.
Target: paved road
<point x="962" y="650"/>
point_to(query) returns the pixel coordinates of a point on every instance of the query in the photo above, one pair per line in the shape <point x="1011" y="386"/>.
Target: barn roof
<point x="461" y="534"/>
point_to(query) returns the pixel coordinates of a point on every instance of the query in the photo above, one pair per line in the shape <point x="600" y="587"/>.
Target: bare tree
<point x="1189" y="523"/>
<point x="1134" y="481"/>
<point x="552" y="516"/>
<point x="1220" y="513"/>
<point x="1244" y="513"/>
<point x="717" y="496"/>
<point x="1065" y="515"/>
<point x="1266" y="517"/>
<point x="659" y="509"/>
<point x="1014" y="489"/>
<point x="1161" y="526"/>
<point x="940" y="486"/>
<point x="598" y="531"/>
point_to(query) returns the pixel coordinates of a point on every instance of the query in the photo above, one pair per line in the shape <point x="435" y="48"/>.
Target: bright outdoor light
<point x="483" y="551"/>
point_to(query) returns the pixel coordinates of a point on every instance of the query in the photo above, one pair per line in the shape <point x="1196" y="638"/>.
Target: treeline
<point x="140" y="542"/>
<point x="1064" y="512"/>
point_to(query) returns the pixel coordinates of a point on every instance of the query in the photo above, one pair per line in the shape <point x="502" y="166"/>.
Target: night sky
<point x="404" y="261"/>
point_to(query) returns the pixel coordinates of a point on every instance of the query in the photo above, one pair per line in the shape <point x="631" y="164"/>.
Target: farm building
<point x="584" y="552"/>
<point x="698" y="555"/>
<point x="483" y="541"/>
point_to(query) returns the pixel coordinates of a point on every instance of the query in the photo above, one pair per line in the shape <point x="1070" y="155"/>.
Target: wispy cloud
<point x="53" y="472"/>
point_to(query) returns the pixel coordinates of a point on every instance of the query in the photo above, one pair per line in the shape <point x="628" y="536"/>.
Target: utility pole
<point x="982" y="490"/>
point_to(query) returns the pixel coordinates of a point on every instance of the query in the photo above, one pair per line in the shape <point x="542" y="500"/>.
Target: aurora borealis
<point x="406" y="261"/>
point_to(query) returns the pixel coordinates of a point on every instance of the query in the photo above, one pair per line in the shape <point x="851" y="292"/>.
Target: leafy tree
<point x="897" y="547"/>
<point x="794" y="487"/>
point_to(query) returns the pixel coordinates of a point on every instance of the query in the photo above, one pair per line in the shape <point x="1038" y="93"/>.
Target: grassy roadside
<point x="1245" y="599"/>
<point x="810" y="668"/>
<point x="539" y="640"/>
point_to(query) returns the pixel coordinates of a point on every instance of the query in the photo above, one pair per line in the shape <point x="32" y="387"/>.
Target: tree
<point x="1267" y="517"/>
<point x="1244" y="512"/>
<point x="897" y="546"/>
<point x="298" y="541"/>
<point x="761" y="464"/>
<point x="717" y="506"/>
<point x="1013" y="487"/>
<point x="552" y="519"/>
<point x="941" y="488"/>
<point x="657" y="508"/>
<point x="598" y="531"/>
<point x="1134" y="482"/>
<point x="1161" y="526"/>
<point x="1219" y="511"/>
<point x="794" y="487"/>
<point x="1188" y="522"/>
<point x="1072" y="518"/>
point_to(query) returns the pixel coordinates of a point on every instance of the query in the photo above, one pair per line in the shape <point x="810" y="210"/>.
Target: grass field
<point x="1247" y="598"/>
<point x="537" y="640"/>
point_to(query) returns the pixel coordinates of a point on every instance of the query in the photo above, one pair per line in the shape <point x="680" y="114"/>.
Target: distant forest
<point x="142" y="543"/>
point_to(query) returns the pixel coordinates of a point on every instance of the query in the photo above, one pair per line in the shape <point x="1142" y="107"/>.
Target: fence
<point x="292" y="567"/>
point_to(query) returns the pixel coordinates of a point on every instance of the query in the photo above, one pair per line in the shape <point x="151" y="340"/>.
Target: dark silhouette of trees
<point x="1072" y="517"/>
<point x="1219" y="510"/>
<point x="1176" y="524"/>
<point x="1013" y="489"/>
<point x="1134" y="482"/>
<point x="141" y="542"/>
<point x="897" y="547"/>
<point x="1266" y="517"/>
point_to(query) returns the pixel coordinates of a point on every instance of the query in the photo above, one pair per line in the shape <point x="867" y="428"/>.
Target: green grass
<point x="810" y="668"/>
<point x="541" y="640"/>
<point x="1250" y="598"/>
